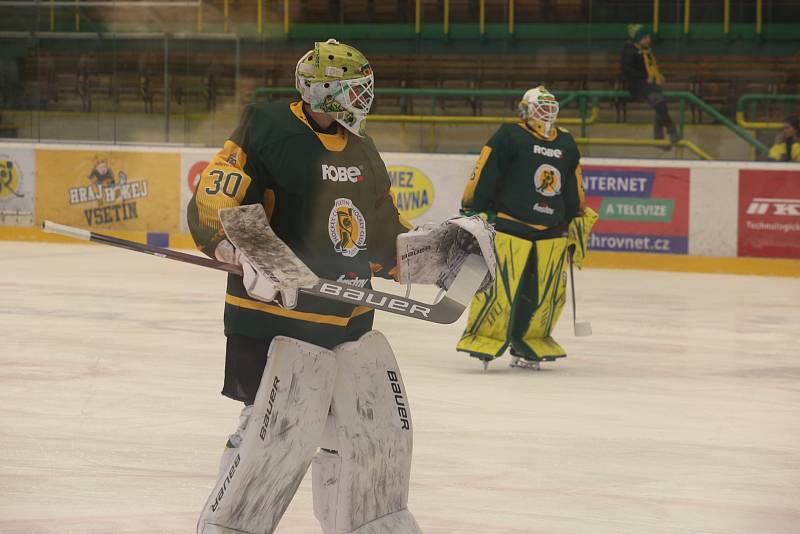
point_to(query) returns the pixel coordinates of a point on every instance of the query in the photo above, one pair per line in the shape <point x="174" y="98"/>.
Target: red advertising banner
<point x="769" y="213"/>
<point x="642" y="209"/>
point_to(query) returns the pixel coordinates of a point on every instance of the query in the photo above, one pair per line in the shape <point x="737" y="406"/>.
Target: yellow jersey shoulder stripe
<point x="472" y="184"/>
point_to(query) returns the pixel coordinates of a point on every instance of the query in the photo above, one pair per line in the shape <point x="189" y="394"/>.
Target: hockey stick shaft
<point x="446" y="311"/>
<point x="77" y="233"/>
<point x="570" y="253"/>
<point x="583" y="328"/>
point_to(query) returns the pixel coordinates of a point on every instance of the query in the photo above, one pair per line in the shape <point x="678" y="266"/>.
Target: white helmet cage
<point x="347" y="96"/>
<point x="303" y="73"/>
<point x="539" y="107"/>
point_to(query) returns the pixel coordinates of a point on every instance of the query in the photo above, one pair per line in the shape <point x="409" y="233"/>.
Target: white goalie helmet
<point x="539" y="109"/>
<point x="337" y="79"/>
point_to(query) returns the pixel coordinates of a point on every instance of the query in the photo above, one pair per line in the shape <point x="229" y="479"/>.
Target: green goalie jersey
<point x="326" y="196"/>
<point x="531" y="183"/>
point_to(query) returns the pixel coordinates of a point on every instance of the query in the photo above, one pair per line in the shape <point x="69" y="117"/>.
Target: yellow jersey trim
<point x="581" y="192"/>
<point x="333" y="142"/>
<point x="212" y="193"/>
<point x="512" y="218"/>
<point x="472" y="184"/>
<point x="294" y="314"/>
<point x="269" y="202"/>
<point x="553" y="133"/>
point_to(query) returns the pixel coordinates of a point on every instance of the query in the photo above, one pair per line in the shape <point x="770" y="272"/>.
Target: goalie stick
<point x="445" y="311"/>
<point x="580" y="328"/>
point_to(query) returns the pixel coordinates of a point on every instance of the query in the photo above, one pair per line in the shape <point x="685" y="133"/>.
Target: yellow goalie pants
<point x="523" y="305"/>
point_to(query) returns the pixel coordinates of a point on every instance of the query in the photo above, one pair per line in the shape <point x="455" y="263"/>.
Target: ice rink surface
<point x="680" y="415"/>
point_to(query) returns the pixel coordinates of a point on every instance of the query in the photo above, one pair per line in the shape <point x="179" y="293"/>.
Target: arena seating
<point x="117" y="78"/>
<point x="127" y="73"/>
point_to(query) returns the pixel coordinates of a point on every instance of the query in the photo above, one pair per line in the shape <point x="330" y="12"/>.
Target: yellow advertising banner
<point x="412" y="190"/>
<point x="109" y="190"/>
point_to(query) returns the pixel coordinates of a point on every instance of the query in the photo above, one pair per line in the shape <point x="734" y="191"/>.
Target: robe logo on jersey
<point x="342" y="174"/>
<point x="547" y="180"/>
<point x="548" y="152"/>
<point x="10" y="178"/>
<point x="347" y="228"/>
<point x="115" y="196"/>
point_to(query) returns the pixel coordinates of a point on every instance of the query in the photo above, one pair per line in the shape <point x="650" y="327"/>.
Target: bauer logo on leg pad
<point x="228" y="478"/>
<point x="399" y="399"/>
<point x="268" y="415"/>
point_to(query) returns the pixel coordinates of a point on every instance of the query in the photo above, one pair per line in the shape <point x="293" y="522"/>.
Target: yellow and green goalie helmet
<point x="539" y="109"/>
<point x="337" y="79"/>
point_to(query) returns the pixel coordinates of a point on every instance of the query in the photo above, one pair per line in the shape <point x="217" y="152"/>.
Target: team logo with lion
<point x="547" y="180"/>
<point x="347" y="228"/>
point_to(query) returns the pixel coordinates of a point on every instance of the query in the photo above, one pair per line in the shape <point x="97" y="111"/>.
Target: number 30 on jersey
<point x="227" y="183"/>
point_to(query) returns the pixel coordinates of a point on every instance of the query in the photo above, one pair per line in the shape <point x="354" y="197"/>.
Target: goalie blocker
<point x="434" y="254"/>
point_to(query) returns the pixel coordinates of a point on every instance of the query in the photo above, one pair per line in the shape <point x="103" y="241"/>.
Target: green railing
<point x="752" y="101"/>
<point x="588" y="104"/>
<point x="684" y="98"/>
<point x="586" y="116"/>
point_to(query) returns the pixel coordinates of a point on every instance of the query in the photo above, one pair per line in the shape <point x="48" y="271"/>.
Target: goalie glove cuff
<point x="262" y="287"/>
<point x="226" y="252"/>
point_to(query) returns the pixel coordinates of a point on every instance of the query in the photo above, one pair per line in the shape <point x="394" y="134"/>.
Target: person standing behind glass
<point x="644" y="80"/>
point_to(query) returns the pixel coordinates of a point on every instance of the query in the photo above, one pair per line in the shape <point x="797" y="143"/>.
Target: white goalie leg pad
<point x="280" y="440"/>
<point x="361" y="475"/>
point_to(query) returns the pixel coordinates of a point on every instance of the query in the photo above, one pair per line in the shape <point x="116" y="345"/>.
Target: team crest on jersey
<point x="347" y="228"/>
<point x="547" y="180"/>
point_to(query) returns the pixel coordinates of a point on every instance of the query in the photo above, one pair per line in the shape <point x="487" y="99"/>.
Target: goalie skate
<point x="522" y="363"/>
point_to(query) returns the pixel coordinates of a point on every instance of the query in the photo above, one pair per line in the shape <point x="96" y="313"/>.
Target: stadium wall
<point x="654" y="214"/>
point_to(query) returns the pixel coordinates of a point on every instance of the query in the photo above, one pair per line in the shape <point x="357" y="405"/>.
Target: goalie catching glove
<point x="432" y="254"/>
<point x="259" y="285"/>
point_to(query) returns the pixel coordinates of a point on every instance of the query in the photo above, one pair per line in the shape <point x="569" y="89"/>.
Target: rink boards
<point x="664" y="214"/>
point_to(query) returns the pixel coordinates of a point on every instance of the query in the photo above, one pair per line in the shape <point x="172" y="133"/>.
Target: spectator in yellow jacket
<point x="787" y="146"/>
<point x="644" y="80"/>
